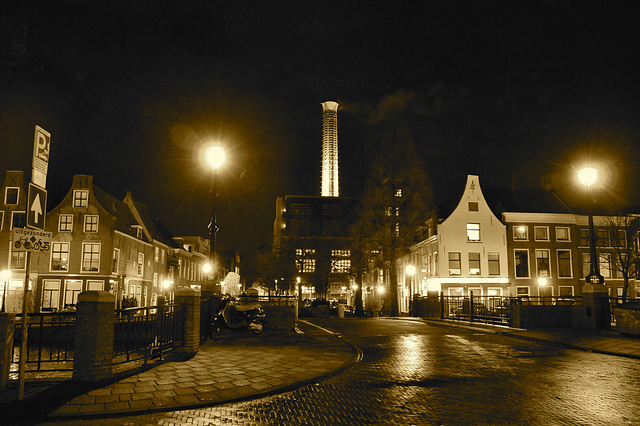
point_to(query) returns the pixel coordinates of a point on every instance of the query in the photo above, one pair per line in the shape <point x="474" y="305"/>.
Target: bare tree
<point x="397" y="201"/>
<point x="622" y="232"/>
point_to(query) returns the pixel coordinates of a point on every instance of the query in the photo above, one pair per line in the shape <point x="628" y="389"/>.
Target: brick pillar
<point x="93" y="342"/>
<point x="190" y="299"/>
<point x="597" y="311"/>
<point x="7" y="322"/>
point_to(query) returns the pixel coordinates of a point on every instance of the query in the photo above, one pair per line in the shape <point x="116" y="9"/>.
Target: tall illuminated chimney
<point x="329" y="177"/>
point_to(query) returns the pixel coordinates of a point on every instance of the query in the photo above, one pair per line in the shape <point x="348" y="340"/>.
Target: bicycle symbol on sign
<point x="32" y="243"/>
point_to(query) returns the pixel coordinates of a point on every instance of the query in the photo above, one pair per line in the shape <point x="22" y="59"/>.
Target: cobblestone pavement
<point x="414" y="373"/>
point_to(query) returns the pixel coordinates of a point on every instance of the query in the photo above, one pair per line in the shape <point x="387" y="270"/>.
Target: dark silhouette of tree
<point x="397" y="201"/>
<point x="622" y="232"/>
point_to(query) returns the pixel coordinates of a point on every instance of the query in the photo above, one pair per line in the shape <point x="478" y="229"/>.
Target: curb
<point x="355" y="359"/>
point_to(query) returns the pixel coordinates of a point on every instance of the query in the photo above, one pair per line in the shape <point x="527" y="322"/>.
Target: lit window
<point x="522" y="263"/>
<point x="50" y="294"/>
<point x="494" y="263"/>
<point x="306" y="260"/>
<point x="80" y="198"/>
<point x="454" y="263"/>
<point x="11" y="196"/>
<point x="90" y="257"/>
<point x="65" y="223"/>
<point x="340" y="261"/>
<point x="18" y="259"/>
<point x="542" y="263"/>
<point x="72" y="290"/>
<point x="562" y="233"/>
<point x="140" y="263"/>
<point x="564" y="264"/>
<point x="541" y="233"/>
<point x="399" y="193"/>
<point x="91" y="223"/>
<point x="60" y="257"/>
<point x="474" y="263"/>
<point x="473" y="232"/>
<point x="521" y="233"/>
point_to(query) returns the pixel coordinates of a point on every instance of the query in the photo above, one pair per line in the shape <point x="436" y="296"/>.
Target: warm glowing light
<point x="206" y="268"/>
<point x="5" y="275"/>
<point x="215" y="156"/>
<point x="587" y="176"/>
<point x="354" y="287"/>
<point x="381" y="289"/>
<point x="166" y="284"/>
<point x="410" y="270"/>
<point x="542" y="282"/>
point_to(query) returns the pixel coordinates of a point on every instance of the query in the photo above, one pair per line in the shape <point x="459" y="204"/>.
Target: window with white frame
<point x="494" y="263"/>
<point x="541" y="233"/>
<point x="586" y="264"/>
<point x="473" y="232"/>
<point x="95" y="285"/>
<point x="474" y="263"/>
<point x="115" y="260"/>
<point x="59" y="256"/>
<point x="1" y="219"/>
<point x="65" y="223"/>
<point x="605" y="265"/>
<point x="91" y="223"/>
<point x="11" y="195"/>
<point x="50" y="295"/>
<point x="80" y="198"/>
<point x="565" y="290"/>
<point x="454" y="263"/>
<point x="563" y="233"/>
<point x="522" y="291"/>
<point x="18" y="259"/>
<point x="90" y="257"/>
<point x="543" y="267"/>
<point x="18" y="220"/>
<point x="140" y="263"/>
<point x="564" y="264"/>
<point x="521" y="263"/>
<point x="71" y="291"/>
<point x="521" y="233"/>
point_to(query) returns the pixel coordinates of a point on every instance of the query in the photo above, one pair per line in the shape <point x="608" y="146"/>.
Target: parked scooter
<point x="237" y="317"/>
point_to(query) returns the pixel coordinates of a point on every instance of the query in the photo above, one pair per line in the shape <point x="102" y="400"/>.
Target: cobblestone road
<point x="413" y="373"/>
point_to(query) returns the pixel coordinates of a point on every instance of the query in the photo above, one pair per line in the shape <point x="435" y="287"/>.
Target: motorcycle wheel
<point x="256" y="327"/>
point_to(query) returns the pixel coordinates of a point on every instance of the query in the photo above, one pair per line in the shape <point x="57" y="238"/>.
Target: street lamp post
<point x="4" y="277"/>
<point x="588" y="176"/>
<point x="215" y="157"/>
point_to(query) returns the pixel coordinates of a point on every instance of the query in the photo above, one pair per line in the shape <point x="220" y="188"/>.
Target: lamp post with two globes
<point x="215" y="157"/>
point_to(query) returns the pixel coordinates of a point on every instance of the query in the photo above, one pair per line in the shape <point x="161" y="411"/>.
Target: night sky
<point x="514" y="91"/>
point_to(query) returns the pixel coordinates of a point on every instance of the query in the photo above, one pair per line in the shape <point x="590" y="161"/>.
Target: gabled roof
<point x="125" y="220"/>
<point x="515" y="200"/>
<point x="153" y="227"/>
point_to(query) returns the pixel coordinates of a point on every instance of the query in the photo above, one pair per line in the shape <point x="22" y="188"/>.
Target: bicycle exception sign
<point x="31" y="240"/>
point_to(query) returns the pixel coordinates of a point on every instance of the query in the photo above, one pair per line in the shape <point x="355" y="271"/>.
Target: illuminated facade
<point x="330" y="176"/>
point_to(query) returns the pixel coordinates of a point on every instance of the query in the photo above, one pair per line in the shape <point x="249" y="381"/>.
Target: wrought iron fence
<point x="148" y="332"/>
<point x="50" y="340"/>
<point x="485" y="309"/>
<point x="268" y="300"/>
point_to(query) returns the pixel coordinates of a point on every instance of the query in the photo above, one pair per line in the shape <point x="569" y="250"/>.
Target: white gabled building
<point x="466" y="253"/>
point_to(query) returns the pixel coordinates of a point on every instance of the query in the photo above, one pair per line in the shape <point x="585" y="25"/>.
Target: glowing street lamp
<point x="215" y="156"/>
<point x="588" y="177"/>
<point x="4" y="277"/>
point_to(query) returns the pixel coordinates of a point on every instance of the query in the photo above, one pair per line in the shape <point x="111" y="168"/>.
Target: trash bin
<point x="340" y="311"/>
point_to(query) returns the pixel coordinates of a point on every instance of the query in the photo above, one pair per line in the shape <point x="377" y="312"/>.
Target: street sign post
<point x="41" y="149"/>
<point x="31" y="240"/>
<point x="36" y="207"/>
